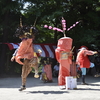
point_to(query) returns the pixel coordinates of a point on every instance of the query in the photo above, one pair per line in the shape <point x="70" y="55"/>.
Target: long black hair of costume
<point x="27" y="31"/>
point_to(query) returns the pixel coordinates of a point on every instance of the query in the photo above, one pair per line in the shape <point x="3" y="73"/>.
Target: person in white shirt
<point x="56" y="70"/>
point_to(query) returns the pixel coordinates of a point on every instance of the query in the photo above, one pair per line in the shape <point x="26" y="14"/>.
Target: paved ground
<point x="37" y="90"/>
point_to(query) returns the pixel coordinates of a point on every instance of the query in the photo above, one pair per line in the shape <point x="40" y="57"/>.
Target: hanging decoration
<point x="63" y="22"/>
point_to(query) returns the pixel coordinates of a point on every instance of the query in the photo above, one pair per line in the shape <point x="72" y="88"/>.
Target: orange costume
<point x="48" y="71"/>
<point x="82" y="58"/>
<point x="63" y="56"/>
<point x="83" y="61"/>
<point x="25" y="50"/>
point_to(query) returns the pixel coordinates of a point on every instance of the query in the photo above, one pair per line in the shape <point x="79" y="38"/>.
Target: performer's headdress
<point x="27" y="31"/>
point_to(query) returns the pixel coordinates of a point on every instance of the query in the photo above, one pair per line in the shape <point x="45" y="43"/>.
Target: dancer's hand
<point x="95" y="52"/>
<point x="40" y="52"/>
<point x="13" y="57"/>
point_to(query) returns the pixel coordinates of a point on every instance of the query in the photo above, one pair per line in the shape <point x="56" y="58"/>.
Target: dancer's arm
<point x="14" y="54"/>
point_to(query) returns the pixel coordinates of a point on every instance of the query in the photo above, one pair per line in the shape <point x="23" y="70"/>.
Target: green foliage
<point x="50" y="12"/>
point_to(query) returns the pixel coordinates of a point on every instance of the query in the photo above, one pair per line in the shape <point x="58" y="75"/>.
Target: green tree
<point x="50" y="12"/>
<point x="9" y="13"/>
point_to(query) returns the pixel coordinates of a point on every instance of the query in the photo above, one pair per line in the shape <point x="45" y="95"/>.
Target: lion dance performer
<point x="63" y="56"/>
<point x="26" y="52"/>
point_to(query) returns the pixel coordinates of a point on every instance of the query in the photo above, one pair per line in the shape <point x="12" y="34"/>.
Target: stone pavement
<point x="37" y="90"/>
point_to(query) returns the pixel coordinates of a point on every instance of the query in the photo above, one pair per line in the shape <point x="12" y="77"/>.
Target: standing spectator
<point x="97" y="62"/>
<point x="83" y="61"/>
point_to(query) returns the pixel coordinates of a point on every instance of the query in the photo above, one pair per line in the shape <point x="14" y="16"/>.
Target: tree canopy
<point x="50" y="12"/>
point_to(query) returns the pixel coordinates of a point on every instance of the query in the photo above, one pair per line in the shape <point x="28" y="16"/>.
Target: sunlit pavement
<point x="37" y="90"/>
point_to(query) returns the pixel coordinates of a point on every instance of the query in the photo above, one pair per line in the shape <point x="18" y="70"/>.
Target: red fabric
<point x="64" y="71"/>
<point x="48" y="71"/>
<point x="25" y="50"/>
<point x="12" y="45"/>
<point x="48" y="50"/>
<point x="84" y="47"/>
<point x="64" y="46"/>
<point x="82" y="58"/>
<point x="73" y="69"/>
<point x="52" y="49"/>
<point x="47" y="54"/>
<point x="9" y="45"/>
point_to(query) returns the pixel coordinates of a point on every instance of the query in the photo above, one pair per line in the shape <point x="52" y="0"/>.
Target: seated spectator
<point x="56" y="70"/>
<point x="46" y="75"/>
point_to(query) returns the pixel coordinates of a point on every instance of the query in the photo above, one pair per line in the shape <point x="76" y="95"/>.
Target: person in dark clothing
<point x="97" y="63"/>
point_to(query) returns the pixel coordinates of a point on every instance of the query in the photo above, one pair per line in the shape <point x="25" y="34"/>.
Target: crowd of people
<point x="64" y="57"/>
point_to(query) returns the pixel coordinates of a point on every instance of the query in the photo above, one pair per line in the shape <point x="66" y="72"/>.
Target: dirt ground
<point x="38" y="90"/>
